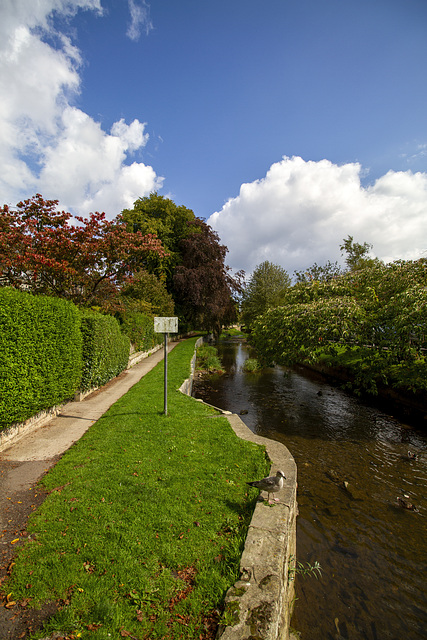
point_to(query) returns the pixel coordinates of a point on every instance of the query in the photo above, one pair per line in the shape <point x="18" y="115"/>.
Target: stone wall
<point x="259" y="605"/>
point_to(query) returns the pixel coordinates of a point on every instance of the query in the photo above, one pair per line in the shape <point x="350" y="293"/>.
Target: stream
<point x="354" y="460"/>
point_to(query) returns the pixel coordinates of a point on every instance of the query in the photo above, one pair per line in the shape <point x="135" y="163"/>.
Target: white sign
<point x="166" y="325"/>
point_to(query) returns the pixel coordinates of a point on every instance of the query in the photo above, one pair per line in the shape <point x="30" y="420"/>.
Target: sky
<point x="287" y="125"/>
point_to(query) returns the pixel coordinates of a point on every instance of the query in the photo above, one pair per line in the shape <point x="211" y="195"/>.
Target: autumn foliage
<point x="81" y="259"/>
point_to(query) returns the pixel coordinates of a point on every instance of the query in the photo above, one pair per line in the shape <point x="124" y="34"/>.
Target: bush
<point x="105" y="349"/>
<point x="40" y="354"/>
<point x="207" y="359"/>
<point x="140" y="330"/>
<point x="251" y="365"/>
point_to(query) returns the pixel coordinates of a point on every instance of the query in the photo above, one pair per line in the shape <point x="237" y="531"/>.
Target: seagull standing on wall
<point x="273" y="484"/>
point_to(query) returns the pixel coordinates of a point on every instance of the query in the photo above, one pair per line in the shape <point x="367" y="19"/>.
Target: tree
<point x="158" y="215"/>
<point x="266" y="289"/>
<point x="357" y="254"/>
<point x="86" y="262"/>
<point x="318" y="273"/>
<point x="147" y="294"/>
<point x="203" y="287"/>
<point x="374" y="317"/>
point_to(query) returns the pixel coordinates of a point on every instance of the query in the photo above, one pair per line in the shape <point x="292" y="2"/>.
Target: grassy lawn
<point x="143" y="528"/>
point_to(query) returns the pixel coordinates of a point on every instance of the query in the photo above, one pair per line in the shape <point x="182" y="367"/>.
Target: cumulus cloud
<point x="300" y="212"/>
<point x="140" y="19"/>
<point x="46" y="143"/>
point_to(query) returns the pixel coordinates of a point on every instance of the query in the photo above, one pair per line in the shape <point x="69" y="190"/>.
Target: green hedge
<point x="40" y="354"/>
<point x="105" y="349"/>
<point x="140" y="330"/>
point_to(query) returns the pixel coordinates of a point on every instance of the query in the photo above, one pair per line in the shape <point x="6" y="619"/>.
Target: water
<point x="352" y="465"/>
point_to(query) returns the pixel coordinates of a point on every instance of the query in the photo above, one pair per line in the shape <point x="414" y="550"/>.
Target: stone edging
<point x="259" y="605"/>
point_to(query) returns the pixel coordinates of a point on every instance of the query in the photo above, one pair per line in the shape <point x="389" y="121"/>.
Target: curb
<point x="259" y="605"/>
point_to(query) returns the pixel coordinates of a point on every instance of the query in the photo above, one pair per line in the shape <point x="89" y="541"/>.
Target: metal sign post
<point x="166" y="326"/>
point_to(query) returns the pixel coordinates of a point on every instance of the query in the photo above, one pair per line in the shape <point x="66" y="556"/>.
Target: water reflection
<point x="352" y="464"/>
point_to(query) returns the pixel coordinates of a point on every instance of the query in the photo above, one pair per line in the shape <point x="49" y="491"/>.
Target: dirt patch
<point x="19" y="498"/>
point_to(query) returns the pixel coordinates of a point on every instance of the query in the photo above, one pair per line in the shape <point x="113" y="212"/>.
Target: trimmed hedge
<point x="40" y="354"/>
<point x="105" y="349"/>
<point x="140" y="330"/>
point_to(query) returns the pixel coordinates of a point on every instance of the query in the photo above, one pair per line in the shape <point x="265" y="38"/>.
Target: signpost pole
<point x="166" y="326"/>
<point x="166" y="375"/>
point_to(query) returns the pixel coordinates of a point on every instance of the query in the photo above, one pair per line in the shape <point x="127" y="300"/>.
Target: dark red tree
<point x="203" y="288"/>
<point x="86" y="261"/>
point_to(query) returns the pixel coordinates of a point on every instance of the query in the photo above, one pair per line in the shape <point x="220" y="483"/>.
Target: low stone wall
<point x="259" y="605"/>
<point x="16" y="431"/>
<point x="137" y="356"/>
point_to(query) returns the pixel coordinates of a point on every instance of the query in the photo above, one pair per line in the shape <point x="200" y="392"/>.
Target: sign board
<point x="166" y="325"/>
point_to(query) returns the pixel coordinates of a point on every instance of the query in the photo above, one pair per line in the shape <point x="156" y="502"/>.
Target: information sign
<point x="166" y="325"/>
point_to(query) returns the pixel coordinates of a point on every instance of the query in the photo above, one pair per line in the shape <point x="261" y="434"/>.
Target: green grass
<point x="146" y="518"/>
<point x="232" y="331"/>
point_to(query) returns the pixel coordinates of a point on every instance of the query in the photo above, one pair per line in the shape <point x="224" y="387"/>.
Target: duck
<point x="403" y="502"/>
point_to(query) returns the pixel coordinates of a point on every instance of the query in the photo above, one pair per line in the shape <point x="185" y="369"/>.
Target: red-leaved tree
<point x="85" y="260"/>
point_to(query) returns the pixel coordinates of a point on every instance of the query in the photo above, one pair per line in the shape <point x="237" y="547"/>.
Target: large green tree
<point x="266" y="289"/>
<point x="155" y="214"/>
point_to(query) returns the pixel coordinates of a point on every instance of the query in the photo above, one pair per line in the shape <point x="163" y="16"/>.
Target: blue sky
<point x="287" y="124"/>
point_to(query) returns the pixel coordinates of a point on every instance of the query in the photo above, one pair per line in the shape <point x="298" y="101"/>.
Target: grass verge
<point x="143" y="528"/>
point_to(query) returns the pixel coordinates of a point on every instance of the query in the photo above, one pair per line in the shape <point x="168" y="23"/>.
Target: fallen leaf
<point x="126" y="634"/>
<point x="9" y="602"/>
<point x="16" y="540"/>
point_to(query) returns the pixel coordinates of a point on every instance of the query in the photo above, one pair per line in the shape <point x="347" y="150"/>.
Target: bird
<point x="405" y="504"/>
<point x="412" y="455"/>
<point x="273" y="484"/>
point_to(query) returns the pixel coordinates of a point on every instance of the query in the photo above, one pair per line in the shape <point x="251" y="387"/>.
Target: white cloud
<point x="86" y="166"/>
<point x="46" y="144"/>
<point x="140" y="19"/>
<point x="301" y="211"/>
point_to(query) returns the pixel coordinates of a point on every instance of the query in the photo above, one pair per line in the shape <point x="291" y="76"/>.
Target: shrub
<point x="251" y="365"/>
<point x="40" y="353"/>
<point x="139" y="327"/>
<point x="207" y="359"/>
<point x="105" y="349"/>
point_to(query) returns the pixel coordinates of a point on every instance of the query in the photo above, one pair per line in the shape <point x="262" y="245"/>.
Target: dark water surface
<point x="373" y="552"/>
